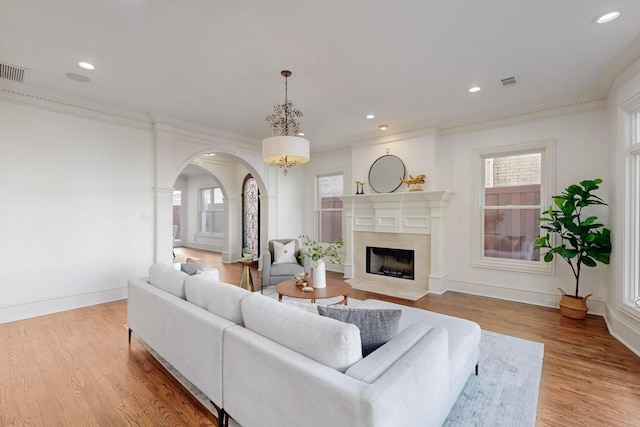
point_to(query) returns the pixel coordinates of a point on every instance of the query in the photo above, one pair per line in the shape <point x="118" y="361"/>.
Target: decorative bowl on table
<point x="300" y="279"/>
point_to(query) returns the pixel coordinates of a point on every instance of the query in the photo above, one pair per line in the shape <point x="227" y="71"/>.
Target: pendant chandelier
<point x="286" y="149"/>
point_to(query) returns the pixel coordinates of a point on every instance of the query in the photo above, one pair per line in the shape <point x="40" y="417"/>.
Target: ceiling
<point x="216" y="64"/>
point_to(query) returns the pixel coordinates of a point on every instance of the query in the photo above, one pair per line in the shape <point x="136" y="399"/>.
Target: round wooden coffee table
<point x="335" y="288"/>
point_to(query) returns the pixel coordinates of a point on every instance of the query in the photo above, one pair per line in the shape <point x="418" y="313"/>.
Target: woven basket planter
<point x="572" y="307"/>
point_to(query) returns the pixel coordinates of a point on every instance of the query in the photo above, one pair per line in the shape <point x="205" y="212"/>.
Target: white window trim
<point x="317" y="204"/>
<point x="631" y="209"/>
<point x="548" y="150"/>
<point x="211" y="234"/>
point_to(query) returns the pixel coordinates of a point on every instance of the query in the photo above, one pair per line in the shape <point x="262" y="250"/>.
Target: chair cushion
<point x="286" y="269"/>
<point x="376" y="326"/>
<point x="284" y="252"/>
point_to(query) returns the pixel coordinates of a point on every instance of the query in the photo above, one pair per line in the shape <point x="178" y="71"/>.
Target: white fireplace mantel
<point x="420" y="212"/>
<point x="408" y="212"/>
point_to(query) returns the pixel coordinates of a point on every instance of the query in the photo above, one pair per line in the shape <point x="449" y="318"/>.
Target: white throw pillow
<point x="284" y="253"/>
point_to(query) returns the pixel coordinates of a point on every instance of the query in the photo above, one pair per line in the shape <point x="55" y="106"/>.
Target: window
<point x="251" y="216"/>
<point x="330" y="187"/>
<point x="513" y="190"/>
<point x="211" y="210"/>
<point x="632" y="213"/>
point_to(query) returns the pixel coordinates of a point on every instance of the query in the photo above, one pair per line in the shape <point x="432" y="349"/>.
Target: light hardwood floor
<point x="77" y="368"/>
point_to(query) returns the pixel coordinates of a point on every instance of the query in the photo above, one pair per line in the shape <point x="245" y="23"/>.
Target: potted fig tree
<point x="576" y="238"/>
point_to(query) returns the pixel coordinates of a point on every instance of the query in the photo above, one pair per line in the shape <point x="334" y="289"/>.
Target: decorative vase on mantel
<point x="320" y="275"/>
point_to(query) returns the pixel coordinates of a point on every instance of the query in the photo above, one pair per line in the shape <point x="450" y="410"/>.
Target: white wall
<point x="448" y="161"/>
<point x="418" y="153"/>
<point x="582" y="153"/>
<point x="76" y="216"/>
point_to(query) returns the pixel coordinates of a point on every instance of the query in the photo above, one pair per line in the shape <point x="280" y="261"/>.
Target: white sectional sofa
<point x="267" y="363"/>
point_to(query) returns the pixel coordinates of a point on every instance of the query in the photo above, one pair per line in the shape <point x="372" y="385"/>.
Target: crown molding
<point x="623" y="66"/>
<point x="185" y="129"/>
<point x="398" y="136"/>
<point x="24" y="94"/>
<point x="19" y="92"/>
<point x="537" y="113"/>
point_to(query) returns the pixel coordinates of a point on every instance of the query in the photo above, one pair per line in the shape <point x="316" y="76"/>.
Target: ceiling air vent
<point x="509" y="81"/>
<point x="11" y="72"/>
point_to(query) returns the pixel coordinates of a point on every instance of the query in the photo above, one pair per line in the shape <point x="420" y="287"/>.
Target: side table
<point x="246" y="282"/>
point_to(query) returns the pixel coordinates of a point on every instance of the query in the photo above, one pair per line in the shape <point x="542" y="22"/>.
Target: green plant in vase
<point x="317" y="253"/>
<point x="579" y="241"/>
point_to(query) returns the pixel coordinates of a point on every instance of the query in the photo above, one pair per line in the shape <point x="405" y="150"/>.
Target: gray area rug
<point x="504" y="394"/>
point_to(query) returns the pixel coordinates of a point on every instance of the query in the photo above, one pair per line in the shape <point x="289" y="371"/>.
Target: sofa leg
<point x="223" y="418"/>
<point x="476" y="369"/>
<point x="130" y="335"/>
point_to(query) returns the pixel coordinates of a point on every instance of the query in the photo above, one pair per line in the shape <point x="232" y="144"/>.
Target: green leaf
<point x="548" y="257"/>
<point x="568" y="253"/>
<point x="589" y="262"/>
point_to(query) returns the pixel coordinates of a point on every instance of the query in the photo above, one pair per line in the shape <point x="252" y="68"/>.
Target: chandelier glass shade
<point x="285" y="149"/>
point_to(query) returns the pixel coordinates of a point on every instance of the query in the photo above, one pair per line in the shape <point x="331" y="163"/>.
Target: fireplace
<point x="408" y="221"/>
<point x="390" y="262"/>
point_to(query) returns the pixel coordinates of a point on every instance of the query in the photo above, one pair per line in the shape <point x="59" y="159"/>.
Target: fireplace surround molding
<point x="403" y="214"/>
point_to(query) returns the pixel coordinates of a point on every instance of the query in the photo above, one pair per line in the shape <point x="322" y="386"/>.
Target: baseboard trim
<point x="622" y="330"/>
<point x="543" y="299"/>
<point x="41" y="308"/>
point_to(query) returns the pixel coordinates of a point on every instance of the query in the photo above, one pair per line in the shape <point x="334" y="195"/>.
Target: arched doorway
<point x="251" y="216"/>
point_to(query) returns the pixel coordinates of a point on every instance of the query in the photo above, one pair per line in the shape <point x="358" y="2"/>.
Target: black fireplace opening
<point x="390" y="262"/>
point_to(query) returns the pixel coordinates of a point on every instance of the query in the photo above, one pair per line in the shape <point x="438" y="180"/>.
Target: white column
<point x="437" y="277"/>
<point x="164" y="225"/>
<point x="347" y="231"/>
<point x="231" y="245"/>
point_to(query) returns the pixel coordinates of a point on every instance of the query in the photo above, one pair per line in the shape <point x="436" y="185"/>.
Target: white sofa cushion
<point x="169" y="280"/>
<point x="371" y="367"/>
<point x="330" y="342"/>
<point x="211" y="273"/>
<point x="199" y="289"/>
<point x="226" y="300"/>
<point x="157" y="270"/>
<point x="464" y="335"/>
<point x="311" y="307"/>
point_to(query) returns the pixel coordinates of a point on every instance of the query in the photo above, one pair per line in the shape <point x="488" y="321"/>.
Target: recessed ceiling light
<point x="382" y="127"/>
<point x="210" y="154"/>
<point x="86" y="65"/>
<point x="300" y="133"/>
<point x="475" y="89"/>
<point x="607" y="17"/>
<point x="370" y="116"/>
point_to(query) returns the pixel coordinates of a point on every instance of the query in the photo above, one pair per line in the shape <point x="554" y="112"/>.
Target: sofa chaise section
<point x="267" y="381"/>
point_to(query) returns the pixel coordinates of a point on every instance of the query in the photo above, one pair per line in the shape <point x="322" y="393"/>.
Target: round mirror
<point x="385" y="174"/>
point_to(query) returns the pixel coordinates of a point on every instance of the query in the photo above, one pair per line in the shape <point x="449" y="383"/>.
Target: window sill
<point x="523" y="266"/>
<point x="631" y="310"/>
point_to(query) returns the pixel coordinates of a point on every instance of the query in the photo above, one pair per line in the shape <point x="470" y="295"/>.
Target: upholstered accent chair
<point x="281" y="261"/>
